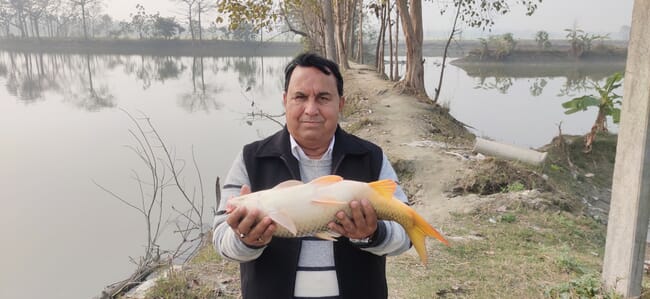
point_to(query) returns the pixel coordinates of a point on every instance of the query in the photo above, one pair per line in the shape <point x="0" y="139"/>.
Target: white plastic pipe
<point x="508" y="151"/>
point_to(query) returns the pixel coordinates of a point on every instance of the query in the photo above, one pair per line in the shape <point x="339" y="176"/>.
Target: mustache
<point x="311" y="120"/>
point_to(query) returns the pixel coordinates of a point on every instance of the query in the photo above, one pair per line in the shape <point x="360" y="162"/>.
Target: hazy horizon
<point x="553" y="16"/>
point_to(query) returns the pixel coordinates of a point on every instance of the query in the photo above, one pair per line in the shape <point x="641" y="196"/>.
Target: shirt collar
<point x="299" y="153"/>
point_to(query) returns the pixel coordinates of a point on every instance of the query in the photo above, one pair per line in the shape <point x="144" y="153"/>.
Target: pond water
<point x="64" y="130"/>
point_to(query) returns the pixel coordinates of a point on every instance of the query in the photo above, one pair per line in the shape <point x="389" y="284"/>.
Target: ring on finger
<point x="242" y="235"/>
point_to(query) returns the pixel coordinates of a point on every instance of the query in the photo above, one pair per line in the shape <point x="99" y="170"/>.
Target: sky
<point x="553" y="16"/>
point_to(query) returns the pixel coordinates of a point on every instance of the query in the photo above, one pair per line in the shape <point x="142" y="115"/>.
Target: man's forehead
<point x="310" y="79"/>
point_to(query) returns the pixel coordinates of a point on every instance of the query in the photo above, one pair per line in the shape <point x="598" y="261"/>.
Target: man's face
<point x="312" y="105"/>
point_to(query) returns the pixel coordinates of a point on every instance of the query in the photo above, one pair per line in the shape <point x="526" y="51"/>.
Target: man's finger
<point x="246" y="225"/>
<point x="345" y="222"/>
<point x="369" y="213"/>
<point x="236" y="217"/>
<point x="357" y="214"/>
<point x="245" y="189"/>
<point x="268" y="234"/>
<point x="258" y="230"/>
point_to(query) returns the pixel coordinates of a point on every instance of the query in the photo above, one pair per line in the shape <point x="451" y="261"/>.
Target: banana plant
<point x="608" y="104"/>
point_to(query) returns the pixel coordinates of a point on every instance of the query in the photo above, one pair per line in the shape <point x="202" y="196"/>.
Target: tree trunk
<point x="379" y="53"/>
<point x="340" y="34"/>
<point x="412" y="27"/>
<point x="189" y="17"/>
<point x="200" y="29"/>
<point x="330" y="46"/>
<point x="83" y="19"/>
<point x="360" y="42"/>
<point x="35" y="25"/>
<point x="390" y="46"/>
<point x="330" y="42"/>
<point x="600" y="125"/>
<point x="396" y="75"/>
<point x="21" y="25"/>
<point x="444" y="56"/>
<point x="349" y="25"/>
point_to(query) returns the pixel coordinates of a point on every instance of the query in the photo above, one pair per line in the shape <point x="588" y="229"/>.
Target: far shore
<point x="526" y="50"/>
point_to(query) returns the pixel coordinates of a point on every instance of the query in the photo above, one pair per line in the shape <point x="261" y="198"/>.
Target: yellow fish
<point x="301" y="209"/>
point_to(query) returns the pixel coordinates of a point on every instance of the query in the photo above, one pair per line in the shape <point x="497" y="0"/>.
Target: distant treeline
<point x="153" y="47"/>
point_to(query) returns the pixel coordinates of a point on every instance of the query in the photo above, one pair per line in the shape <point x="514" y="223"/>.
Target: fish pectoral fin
<point x="326" y="180"/>
<point x="289" y="183"/>
<point x="327" y="235"/>
<point x="385" y="188"/>
<point x="282" y="219"/>
<point x="328" y="202"/>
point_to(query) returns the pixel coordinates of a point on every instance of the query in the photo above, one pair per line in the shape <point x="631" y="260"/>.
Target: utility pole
<point x="630" y="204"/>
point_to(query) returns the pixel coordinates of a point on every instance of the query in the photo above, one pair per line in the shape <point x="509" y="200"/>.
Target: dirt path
<point x="403" y="127"/>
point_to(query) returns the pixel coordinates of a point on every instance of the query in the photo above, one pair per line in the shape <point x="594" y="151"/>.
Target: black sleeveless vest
<point x="273" y="275"/>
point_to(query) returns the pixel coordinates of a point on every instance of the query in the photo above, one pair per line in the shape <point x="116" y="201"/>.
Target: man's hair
<point x="314" y="60"/>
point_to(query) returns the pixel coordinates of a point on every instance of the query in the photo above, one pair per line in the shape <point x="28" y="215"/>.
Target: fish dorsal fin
<point x="326" y="180"/>
<point x="385" y="188"/>
<point x="289" y="183"/>
<point x="284" y="220"/>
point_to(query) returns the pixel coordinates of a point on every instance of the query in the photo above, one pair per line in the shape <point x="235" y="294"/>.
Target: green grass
<point x="179" y="284"/>
<point x="527" y="254"/>
<point x="206" y="255"/>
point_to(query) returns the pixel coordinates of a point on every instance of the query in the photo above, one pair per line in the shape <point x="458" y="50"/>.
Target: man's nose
<point x="311" y="107"/>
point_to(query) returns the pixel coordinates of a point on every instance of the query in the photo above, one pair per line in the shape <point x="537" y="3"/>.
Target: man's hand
<point x="361" y="224"/>
<point x="244" y="222"/>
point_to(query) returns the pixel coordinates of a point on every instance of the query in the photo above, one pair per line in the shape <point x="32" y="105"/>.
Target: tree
<point x="411" y="15"/>
<point x="190" y="8"/>
<point x="312" y="16"/>
<point x="257" y="13"/>
<point x="104" y="25"/>
<point x="330" y="42"/>
<point x="541" y="38"/>
<point x="343" y="11"/>
<point x="140" y="23"/>
<point x="16" y="11"/>
<point x="166" y="27"/>
<point x="474" y="13"/>
<point x="84" y="6"/>
<point x="202" y="6"/>
<point x="608" y="104"/>
<point x="244" y="32"/>
<point x="454" y="31"/>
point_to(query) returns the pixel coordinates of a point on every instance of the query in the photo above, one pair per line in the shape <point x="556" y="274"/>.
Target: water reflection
<point x="89" y="95"/>
<point x="537" y="87"/>
<point x="203" y="96"/>
<point x="502" y="84"/>
<point x="82" y="80"/>
<point x="500" y="77"/>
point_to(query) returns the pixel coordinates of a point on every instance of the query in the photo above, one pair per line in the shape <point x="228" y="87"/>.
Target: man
<point x="310" y="145"/>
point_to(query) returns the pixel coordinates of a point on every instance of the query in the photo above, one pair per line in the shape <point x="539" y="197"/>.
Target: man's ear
<point x="341" y="103"/>
<point x="284" y="100"/>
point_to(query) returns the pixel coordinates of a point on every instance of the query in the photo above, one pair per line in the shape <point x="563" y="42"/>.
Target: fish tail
<point x="418" y="233"/>
<point x="393" y="209"/>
